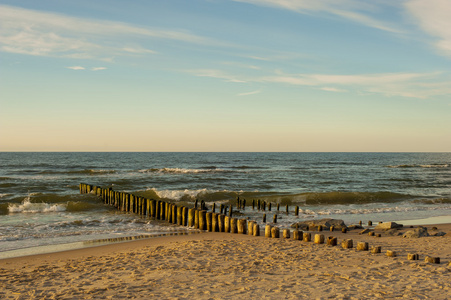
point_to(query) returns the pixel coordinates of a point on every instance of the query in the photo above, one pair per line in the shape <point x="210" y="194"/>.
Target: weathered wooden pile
<point x="223" y="221"/>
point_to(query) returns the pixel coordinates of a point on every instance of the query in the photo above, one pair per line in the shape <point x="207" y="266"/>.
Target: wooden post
<point x="209" y="222"/>
<point x="347" y="244"/>
<point x="214" y="222"/>
<point x="213" y="207"/>
<point x="371" y="233"/>
<point x="256" y="229"/>
<point x="230" y="210"/>
<point x="195" y="203"/>
<point x="411" y="256"/>
<point x="221" y="209"/>
<point x="269" y="206"/>
<point x="275" y="232"/>
<point x="268" y="231"/>
<point x="278" y="206"/>
<point x="320" y="227"/>
<point x="258" y="204"/>
<point x="286" y="233"/>
<point x="185" y="216"/>
<point x="241" y="224"/>
<point x="362" y="246"/>
<point x="296" y="235"/>
<point x="233" y="225"/>
<point x="332" y="228"/>
<point x="202" y="220"/>
<point x="296" y="211"/>
<point x="370" y="223"/>
<point x="179" y="215"/>
<point x="391" y="253"/>
<point x="227" y="224"/>
<point x="196" y="218"/>
<point x="264" y="218"/>
<point x="287" y="208"/>
<point x="250" y="228"/>
<point x="319" y="238"/>
<point x="432" y="260"/>
<point x="332" y="241"/>
<point x="264" y="205"/>
<point x="244" y="204"/>
<point x="221" y="223"/>
<point x="174" y="214"/>
<point x="344" y="230"/>
<point x="253" y="204"/>
<point x="376" y="249"/>
<point x="191" y="217"/>
<point x="274" y="219"/>
<point x="306" y="237"/>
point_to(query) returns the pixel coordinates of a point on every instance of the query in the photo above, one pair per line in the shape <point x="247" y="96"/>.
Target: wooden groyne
<point x="199" y="218"/>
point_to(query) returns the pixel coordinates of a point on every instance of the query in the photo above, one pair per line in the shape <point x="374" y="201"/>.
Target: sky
<point x="224" y="75"/>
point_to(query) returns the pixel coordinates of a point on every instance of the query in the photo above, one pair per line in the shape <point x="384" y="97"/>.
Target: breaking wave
<point x="420" y="166"/>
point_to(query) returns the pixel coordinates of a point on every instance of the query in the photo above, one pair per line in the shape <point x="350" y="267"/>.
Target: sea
<point x="42" y="210"/>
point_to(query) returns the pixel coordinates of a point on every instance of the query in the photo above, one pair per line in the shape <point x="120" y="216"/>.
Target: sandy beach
<point x="233" y="266"/>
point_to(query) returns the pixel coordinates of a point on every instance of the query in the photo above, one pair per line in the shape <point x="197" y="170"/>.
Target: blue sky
<point x="216" y="75"/>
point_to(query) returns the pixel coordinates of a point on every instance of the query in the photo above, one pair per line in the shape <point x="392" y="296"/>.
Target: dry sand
<point x="232" y="266"/>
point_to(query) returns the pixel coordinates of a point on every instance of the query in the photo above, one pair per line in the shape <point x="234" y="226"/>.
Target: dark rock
<point x="388" y="225"/>
<point x="392" y="232"/>
<point x="416" y="233"/>
<point x="326" y="223"/>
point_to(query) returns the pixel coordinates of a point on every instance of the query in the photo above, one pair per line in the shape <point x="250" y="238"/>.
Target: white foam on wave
<point x="28" y="207"/>
<point x="179" y="194"/>
<point x="180" y="170"/>
<point x="364" y="211"/>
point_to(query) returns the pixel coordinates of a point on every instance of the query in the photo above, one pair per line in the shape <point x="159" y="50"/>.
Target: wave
<point x="420" y="166"/>
<point x="181" y="170"/>
<point x="84" y="171"/>
<point x="308" y="212"/>
<point x="29" y="207"/>
<point x="353" y="197"/>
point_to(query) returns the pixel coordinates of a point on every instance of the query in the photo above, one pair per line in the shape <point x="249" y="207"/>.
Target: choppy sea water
<point x="40" y="204"/>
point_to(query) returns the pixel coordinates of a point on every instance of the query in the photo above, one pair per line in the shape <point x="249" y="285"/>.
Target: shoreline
<point x="229" y="266"/>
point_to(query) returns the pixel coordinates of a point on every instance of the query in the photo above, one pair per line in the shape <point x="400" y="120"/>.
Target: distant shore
<point x="232" y="266"/>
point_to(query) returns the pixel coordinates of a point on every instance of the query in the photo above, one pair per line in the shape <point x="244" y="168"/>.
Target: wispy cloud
<point x="212" y="73"/>
<point x="76" y="68"/>
<point x="353" y="10"/>
<point x="249" y="93"/>
<point x="38" y="33"/>
<point x="98" y="68"/>
<point x="434" y="18"/>
<point x="409" y="85"/>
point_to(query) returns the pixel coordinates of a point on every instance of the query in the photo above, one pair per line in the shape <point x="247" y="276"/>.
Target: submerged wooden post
<point x="274" y="219"/>
<point x="264" y="218"/>
<point x="253" y="204"/>
<point x="269" y="206"/>
<point x="287" y="208"/>
<point x="296" y="211"/>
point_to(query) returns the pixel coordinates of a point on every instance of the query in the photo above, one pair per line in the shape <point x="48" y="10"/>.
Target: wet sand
<point x="232" y="266"/>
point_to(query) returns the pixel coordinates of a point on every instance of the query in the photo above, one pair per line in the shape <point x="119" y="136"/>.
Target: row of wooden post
<point x="219" y="222"/>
